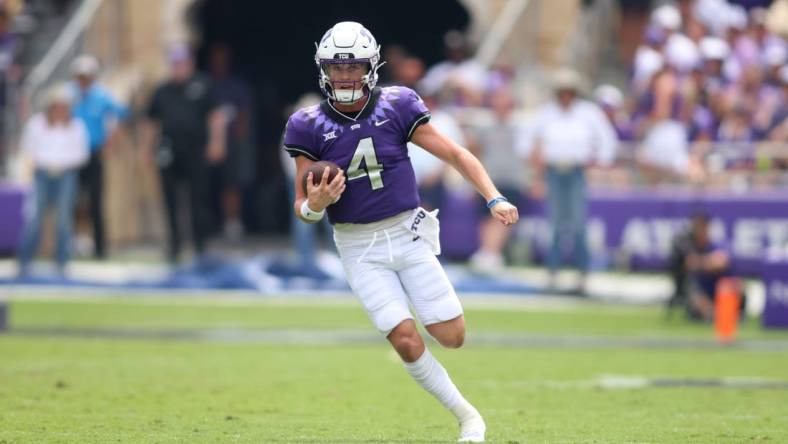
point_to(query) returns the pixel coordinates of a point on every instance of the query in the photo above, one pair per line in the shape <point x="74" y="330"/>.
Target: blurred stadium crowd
<point x="706" y="96"/>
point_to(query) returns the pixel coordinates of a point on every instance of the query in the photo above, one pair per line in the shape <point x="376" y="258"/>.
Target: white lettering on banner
<point x="777" y="234"/>
<point x="597" y="240"/>
<point x="538" y="231"/>
<point x="778" y="292"/>
<point x="665" y="230"/>
<point x="717" y="231"/>
<point x="652" y="237"/>
<point x="747" y="238"/>
<point x="635" y="238"/>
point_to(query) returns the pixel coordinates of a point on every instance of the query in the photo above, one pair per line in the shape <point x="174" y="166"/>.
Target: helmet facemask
<point x="347" y="91"/>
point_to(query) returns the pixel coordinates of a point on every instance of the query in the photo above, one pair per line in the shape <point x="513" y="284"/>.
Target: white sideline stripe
<point x="634" y="382"/>
<point x="240" y="298"/>
<point x="280" y="336"/>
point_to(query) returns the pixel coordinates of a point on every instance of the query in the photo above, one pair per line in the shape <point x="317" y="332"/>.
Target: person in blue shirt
<point x="96" y="108"/>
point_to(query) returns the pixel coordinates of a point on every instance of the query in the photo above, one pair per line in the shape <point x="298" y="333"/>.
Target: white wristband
<point x="308" y="214"/>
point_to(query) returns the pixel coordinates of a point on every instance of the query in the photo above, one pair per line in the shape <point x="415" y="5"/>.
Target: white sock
<point x="432" y="377"/>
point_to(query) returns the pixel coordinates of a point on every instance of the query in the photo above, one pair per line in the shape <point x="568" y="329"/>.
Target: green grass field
<point x="193" y="370"/>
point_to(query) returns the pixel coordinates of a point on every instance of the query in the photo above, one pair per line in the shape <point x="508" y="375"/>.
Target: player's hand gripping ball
<point x="317" y="170"/>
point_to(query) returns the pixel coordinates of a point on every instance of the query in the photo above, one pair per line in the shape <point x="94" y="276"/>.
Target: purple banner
<point x="11" y="201"/>
<point x="636" y="230"/>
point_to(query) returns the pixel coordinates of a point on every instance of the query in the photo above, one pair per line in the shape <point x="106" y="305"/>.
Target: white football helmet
<point x="347" y="42"/>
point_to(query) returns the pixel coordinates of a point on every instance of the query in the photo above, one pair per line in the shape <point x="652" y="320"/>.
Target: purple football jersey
<point x="371" y="149"/>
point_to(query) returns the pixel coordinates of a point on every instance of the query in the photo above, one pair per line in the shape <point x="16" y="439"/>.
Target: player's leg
<point x="439" y="310"/>
<point x="370" y="272"/>
<point x="450" y="334"/>
<point x="432" y="296"/>
<point x="407" y="341"/>
<point x="432" y="377"/>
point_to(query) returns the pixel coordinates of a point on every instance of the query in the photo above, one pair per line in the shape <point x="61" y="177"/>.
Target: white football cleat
<point x="472" y="429"/>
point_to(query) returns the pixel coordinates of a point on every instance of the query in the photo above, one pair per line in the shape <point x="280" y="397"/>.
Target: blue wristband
<point x="496" y="201"/>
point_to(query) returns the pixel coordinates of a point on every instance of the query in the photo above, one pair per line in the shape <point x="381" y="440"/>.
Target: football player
<point x="386" y="242"/>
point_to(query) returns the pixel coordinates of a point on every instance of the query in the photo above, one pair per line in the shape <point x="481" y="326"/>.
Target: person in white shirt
<point x="496" y="142"/>
<point x="57" y="144"/>
<point x="566" y="136"/>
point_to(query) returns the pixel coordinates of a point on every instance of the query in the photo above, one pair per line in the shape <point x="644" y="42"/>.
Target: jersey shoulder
<point x="408" y="108"/>
<point x="400" y="95"/>
<point x="301" y="119"/>
<point x="306" y="130"/>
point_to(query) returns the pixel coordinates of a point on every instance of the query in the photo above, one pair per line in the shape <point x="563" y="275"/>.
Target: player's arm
<point x="437" y="144"/>
<point x="317" y="197"/>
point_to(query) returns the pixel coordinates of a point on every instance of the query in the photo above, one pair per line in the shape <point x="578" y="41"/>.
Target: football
<point x="317" y="170"/>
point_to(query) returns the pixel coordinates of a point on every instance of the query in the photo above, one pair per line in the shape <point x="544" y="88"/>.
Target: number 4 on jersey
<point x="365" y="151"/>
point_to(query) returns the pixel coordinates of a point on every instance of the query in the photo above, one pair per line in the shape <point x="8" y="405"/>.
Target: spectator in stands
<point x="752" y="94"/>
<point x="667" y="17"/>
<point x="496" y="145"/>
<point x="770" y="94"/>
<point x="697" y="265"/>
<point x="714" y="52"/>
<point x="393" y="54"/>
<point x="778" y="129"/>
<point x="57" y="142"/>
<point x="735" y="127"/>
<point x="744" y="49"/>
<point x="460" y="78"/>
<point x="774" y="57"/>
<point x="185" y="132"/>
<point x="401" y="68"/>
<point x="648" y="60"/>
<point x="611" y="100"/>
<point x="237" y="170"/>
<point x="665" y="136"/>
<point x="96" y="108"/>
<point x="568" y="135"/>
<point x="711" y="87"/>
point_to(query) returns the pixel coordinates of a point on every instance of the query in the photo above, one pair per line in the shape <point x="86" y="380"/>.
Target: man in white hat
<point x="57" y="144"/>
<point x="96" y="108"/>
<point x="568" y="135"/>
